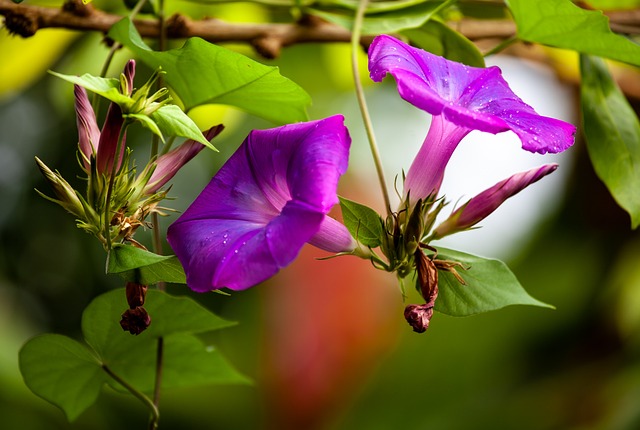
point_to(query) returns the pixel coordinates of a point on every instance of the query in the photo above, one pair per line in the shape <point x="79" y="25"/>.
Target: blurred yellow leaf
<point x="26" y="60"/>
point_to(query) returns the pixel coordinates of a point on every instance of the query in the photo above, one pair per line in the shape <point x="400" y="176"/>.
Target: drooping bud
<point x="136" y="294"/>
<point x="135" y="321"/>
<point x="419" y="317"/>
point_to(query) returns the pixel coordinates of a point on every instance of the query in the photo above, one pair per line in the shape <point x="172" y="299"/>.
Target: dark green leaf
<point x="169" y="315"/>
<point x="63" y="372"/>
<point x="144" y="267"/>
<point x="203" y="73"/>
<point x="363" y="222"/>
<point x="612" y="133"/>
<point x="386" y="22"/>
<point x="70" y="375"/>
<point x="186" y="362"/>
<point x="438" y="38"/>
<point x="562" y="24"/>
<point x="490" y="285"/>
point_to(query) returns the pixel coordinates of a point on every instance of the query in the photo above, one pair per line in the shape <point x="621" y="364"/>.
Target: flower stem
<point x="155" y="414"/>
<point x="157" y="243"/>
<point x="107" y="203"/>
<point x="366" y="119"/>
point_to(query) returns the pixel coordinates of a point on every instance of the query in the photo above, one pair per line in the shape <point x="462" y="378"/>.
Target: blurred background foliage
<point x="325" y="341"/>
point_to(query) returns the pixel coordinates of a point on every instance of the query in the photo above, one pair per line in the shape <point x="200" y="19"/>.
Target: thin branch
<point x="267" y="38"/>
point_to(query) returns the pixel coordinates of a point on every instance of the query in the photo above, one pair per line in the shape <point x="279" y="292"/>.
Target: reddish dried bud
<point x="419" y="316"/>
<point x="135" y="321"/>
<point x="136" y="294"/>
<point x="427" y="276"/>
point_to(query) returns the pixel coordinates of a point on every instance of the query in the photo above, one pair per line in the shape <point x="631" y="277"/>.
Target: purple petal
<point x="108" y="144"/>
<point x="88" y="132"/>
<point x="427" y="170"/>
<point x="333" y="236"/>
<point x="263" y="205"/>
<point x="474" y="98"/>
<point x="168" y="164"/>
<point x="482" y="205"/>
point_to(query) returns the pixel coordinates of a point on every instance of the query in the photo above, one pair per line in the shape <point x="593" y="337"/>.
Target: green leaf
<point x="440" y="39"/>
<point x="363" y="222"/>
<point x="612" y="132"/>
<point x="63" y="372"/>
<point x="186" y="362"/>
<point x="386" y="22"/>
<point x="169" y="315"/>
<point x="70" y="374"/>
<point x="490" y="285"/>
<point x="376" y="7"/>
<point x="562" y="24"/>
<point x="203" y="73"/>
<point x="173" y="121"/>
<point x="137" y="265"/>
<point x="109" y="88"/>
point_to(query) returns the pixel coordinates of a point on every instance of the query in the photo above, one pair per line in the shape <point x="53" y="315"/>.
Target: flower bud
<point x="418" y="316"/>
<point x="135" y="321"/>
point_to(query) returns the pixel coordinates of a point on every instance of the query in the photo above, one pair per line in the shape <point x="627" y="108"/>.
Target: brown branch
<point x="268" y="39"/>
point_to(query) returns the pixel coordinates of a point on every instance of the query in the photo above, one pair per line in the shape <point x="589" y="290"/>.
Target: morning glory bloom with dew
<point x="269" y="199"/>
<point x="461" y="99"/>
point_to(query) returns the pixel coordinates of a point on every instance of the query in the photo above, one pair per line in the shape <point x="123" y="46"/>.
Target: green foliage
<point x="144" y="267"/>
<point x="612" y="133"/>
<point x="490" y="285"/>
<point x="363" y="222"/>
<point x="203" y="73"/>
<point x="70" y="374"/>
<point x="440" y="39"/>
<point x="562" y="24"/>
<point x="166" y="120"/>
<point x="386" y="19"/>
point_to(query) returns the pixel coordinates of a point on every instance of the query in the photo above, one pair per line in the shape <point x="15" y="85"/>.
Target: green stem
<point x="366" y="119"/>
<point x="155" y="414"/>
<point x="500" y="46"/>
<point x="112" y="51"/>
<point x="114" y="168"/>
<point x="157" y="242"/>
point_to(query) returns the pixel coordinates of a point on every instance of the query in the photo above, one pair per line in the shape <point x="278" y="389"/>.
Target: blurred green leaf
<point x="377" y="6"/>
<point x="490" y="285"/>
<point x="147" y="7"/>
<point x="144" y="267"/>
<point x="202" y="73"/>
<point x="386" y="22"/>
<point x="70" y="375"/>
<point x="63" y="372"/>
<point x="562" y="24"/>
<point x="363" y="222"/>
<point x="440" y="39"/>
<point x="612" y="132"/>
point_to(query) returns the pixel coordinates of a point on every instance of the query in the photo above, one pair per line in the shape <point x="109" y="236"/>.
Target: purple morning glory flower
<point x="270" y="198"/>
<point x="482" y="205"/>
<point x="462" y="99"/>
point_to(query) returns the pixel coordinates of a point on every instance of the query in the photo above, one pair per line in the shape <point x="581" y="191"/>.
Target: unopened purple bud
<point x="482" y="205"/>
